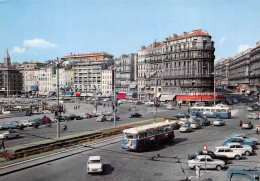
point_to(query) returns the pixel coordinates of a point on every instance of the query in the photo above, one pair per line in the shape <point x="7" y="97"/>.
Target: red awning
<point x="77" y="94"/>
<point x="121" y="96"/>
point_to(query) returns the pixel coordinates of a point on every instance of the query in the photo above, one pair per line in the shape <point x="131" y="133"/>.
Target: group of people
<point x="76" y="107"/>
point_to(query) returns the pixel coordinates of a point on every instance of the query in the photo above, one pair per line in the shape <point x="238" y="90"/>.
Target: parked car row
<point x="232" y="148"/>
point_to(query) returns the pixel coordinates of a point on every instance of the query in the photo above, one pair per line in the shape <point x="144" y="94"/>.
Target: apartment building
<point x="88" y="57"/>
<point x="125" y="74"/>
<point x="107" y="81"/>
<point x="254" y="77"/>
<point x="221" y="71"/>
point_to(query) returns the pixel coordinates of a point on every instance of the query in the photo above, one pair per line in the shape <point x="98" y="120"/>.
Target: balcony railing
<point x="187" y="76"/>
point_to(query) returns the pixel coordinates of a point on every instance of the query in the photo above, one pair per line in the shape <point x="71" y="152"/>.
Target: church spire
<point x="7" y="61"/>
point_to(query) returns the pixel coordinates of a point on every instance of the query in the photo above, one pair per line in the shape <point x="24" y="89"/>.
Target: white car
<point x="246" y="149"/>
<point x="185" y="128"/>
<point x="94" y="164"/>
<point x="211" y="163"/>
<point x="252" y="116"/>
<point x="184" y="121"/>
<point x="247" y="125"/>
<point x="219" y="122"/>
<point x="9" y="134"/>
<point x="170" y="107"/>
<point x="225" y="150"/>
<point x="83" y="115"/>
<point x="46" y="112"/>
<point x="195" y="125"/>
<point x="27" y="123"/>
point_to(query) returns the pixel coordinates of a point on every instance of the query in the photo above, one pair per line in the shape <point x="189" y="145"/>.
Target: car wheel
<point x="237" y="157"/>
<point x="218" y="167"/>
<point x="247" y="153"/>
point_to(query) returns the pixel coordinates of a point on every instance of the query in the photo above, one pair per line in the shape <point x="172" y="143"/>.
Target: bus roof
<point x="213" y="107"/>
<point x="144" y="128"/>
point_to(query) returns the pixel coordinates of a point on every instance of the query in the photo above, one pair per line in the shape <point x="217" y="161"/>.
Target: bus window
<point x="202" y="110"/>
<point x="129" y="136"/>
<point x="207" y="110"/>
<point x="150" y="133"/>
<point x="213" y="110"/>
<point x="218" y="110"/>
<point x="141" y="135"/>
<point x="160" y="130"/>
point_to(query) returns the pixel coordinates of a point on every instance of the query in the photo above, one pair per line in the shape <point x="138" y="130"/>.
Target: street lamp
<point x="214" y="87"/>
<point x="115" y="109"/>
<point x="155" y="94"/>
<point x="58" y="98"/>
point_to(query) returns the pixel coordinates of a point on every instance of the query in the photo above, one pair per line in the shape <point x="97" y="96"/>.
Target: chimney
<point x="185" y="33"/>
<point x="175" y="36"/>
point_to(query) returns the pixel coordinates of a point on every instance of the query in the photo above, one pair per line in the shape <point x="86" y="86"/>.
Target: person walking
<point x="240" y="123"/>
<point x="2" y="144"/>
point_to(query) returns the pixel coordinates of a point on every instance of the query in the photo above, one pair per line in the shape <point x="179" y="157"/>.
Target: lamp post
<point x="214" y="87"/>
<point x="58" y="98"/>
<point x="115" y="109"/>
<point x="155" y="95"/>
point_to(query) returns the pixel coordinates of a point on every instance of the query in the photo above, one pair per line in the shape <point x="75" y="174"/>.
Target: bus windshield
<point x="129" y="136"/>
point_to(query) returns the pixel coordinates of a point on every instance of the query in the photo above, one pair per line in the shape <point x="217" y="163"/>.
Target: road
<point x="127" y="165"/>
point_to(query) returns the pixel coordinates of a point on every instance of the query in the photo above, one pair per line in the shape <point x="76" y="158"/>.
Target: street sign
<point x="205" y="147"/>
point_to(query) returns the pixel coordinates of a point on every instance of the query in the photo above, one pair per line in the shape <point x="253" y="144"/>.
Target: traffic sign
<point x="205" y="148"/>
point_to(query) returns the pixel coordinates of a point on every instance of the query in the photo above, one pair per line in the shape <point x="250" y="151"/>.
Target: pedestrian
<point x="240" y="123"/>
<point x="78" y="106"/>
<point x="2" y="143"/>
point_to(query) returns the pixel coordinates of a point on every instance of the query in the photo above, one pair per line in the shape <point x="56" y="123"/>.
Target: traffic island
<point x="21" y="153"/>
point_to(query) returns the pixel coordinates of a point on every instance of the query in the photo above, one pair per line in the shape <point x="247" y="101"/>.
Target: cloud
<point x="35" y="43"/>
<point x="222" y="40"/>
<point x="242" y="48"/>
<point x="18" y="49"/>
<point x="38" y="43"/>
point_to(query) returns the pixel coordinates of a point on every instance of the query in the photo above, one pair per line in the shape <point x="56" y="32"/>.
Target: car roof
<point x="233" y="143"/>
<point x="203" y="156"/>
<point x="222" y="147"/>
<point x="94" y="158"/>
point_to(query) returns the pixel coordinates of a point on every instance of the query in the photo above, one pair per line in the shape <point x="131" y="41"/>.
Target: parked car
<point x="235" y="101"/>
<point x="111" y="118"/>
<point x="83" y="115"/>
<point x="7" y="126"/>
<point x="38" y="121"/>
<point x="247" y="125"/>
<point x="170" y="107"/>
<point x="106" y="113"/>
<point x="239" y="140"/>
<point x="135" y="115"/>
<point x="195" y="125"/>
<point x="219" y="122"/>
<point x="101" y="118"/>
<point x="15" y="124"/>
<point x="94" y="164"/>
<point x="185" y="128"/>
<point x="253" y="108"/>
<point x="252" y="116"/>
<point x="211" y="163"/>
<point x="181" y="115"/>
<point x="246" y="138"/>
<point x="225" y="150"/>
<point x="183" y="121"/>
<point x="204" y="121"/>
<point x="250" y="108"/>
<point x="245" y="149"/>
<point x="27" y="123"/>
<point x="89" y="115"/>
<point x="75" y="116"/>
<point x="210" y="153"/>
<point x="9" y="134"/>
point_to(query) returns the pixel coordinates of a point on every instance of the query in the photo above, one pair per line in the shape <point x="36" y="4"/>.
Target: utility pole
<point x="58" y="98"/>
<point x="155" y="97"/>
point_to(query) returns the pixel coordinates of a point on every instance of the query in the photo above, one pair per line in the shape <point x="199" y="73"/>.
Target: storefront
<point x="131" y="95"/>
<point x="121" y="95"/>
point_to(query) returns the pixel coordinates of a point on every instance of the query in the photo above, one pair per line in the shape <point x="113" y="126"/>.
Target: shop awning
<point x="121" y="95"/>
<point x="34" y="88"/>
<point x="167" y="97"/>
<point x="51" y="93"/>
<point x="132" y="86"/>
<point x="67" y="94"/>
<point x="83" y="94"/>
<point x="77" y="94"/>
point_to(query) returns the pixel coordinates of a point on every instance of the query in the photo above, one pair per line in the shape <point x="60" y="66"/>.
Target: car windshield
<point x="94" y="161"/>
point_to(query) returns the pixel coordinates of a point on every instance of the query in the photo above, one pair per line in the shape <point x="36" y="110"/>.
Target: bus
<point x="212" y="111"/>
<point x="141" y="137"/>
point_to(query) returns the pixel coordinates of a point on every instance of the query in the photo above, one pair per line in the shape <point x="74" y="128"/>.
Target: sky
<point x="41" y="30"/>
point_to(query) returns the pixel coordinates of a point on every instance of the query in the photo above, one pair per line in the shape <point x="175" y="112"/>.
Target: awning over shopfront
<point x="83" y="94"/>
<point x="67" y="94"/>
<point x="121" y="95"/>
<point x="167" y="97"/>
<point x="90" y="94"/>
<point x="52" y="93"/>
<point x="132" y="86"/>
<point x="131" y="95"/>
<point x="34" y="88"/>
<point x="78" y="94"/>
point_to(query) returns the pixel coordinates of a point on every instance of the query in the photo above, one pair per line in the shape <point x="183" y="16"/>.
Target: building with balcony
<point x="221" y="71"/>
<point x="125" y="74"/>
<point x="107" y="79"/>
<point x="254" y="68"/>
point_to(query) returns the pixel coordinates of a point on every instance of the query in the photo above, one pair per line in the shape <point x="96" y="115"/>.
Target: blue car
<point x="8" y="126"/>
<point x="239" y="140"/>
<point x="181" y="115"/>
